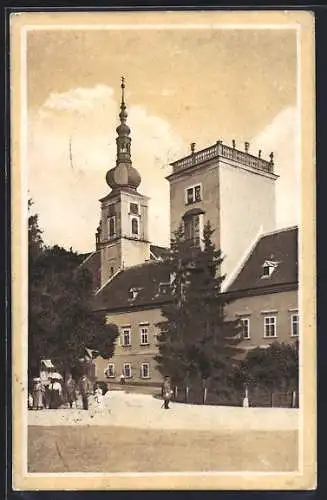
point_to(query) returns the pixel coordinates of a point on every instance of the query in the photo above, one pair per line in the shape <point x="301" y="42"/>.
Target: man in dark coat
<point x="84" y="389"/>
<point x="166" y="392"/>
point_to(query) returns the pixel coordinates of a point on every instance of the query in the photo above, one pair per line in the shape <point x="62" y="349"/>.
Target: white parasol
<point x="56" y="376"/>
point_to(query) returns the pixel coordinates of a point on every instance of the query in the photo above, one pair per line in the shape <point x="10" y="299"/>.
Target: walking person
<point x="166" y="392"/>
<point x="122" y="379"/>
<point x="70" y="390"/>
<point x="84" y="389"/>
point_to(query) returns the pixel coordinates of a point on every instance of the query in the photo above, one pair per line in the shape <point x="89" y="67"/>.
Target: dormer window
<point x="133" y="293"/>
<point x="268" y="268"/>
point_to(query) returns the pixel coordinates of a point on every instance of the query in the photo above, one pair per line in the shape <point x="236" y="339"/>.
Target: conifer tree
<point x="196" y="342"/>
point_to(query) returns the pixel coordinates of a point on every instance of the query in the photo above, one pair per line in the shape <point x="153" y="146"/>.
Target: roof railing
<point x="221" y="150"/>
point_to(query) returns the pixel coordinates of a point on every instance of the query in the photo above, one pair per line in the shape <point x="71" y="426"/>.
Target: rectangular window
<point x="126" y="336"/>
<point x="295" y="325"/>
<point x="189" y="196"/>
<point x="197" y="193"/>
<point x="111" y="210"/>
<point x="110" y="370"/>
<point x="145" y="370"/>
<point x="111" y="227"/>
<point x="270" y="327"/>
<point x="193" y="194"/>
<point x="127" y="370"/>
<point x="245" y="328"/>
<point x="134" y="208"/>
<point x="144" y="335"/>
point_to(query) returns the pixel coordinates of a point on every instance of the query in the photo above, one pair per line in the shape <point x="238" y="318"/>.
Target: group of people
<point x="53" y="393"/>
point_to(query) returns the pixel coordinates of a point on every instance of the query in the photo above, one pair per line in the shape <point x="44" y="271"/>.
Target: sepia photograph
<point x="163" y="181"/>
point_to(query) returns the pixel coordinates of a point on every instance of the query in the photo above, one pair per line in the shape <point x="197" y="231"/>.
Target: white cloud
<point x="280" y="137"/>
<point x="78" y="99"/>
<point x="66" y="193"/>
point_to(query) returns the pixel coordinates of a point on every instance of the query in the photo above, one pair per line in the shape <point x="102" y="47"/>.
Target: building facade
<point x="232" y="189"/>
<point x="263" y="297"/>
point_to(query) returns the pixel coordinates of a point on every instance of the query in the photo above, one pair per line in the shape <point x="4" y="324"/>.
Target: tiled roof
<point x="280" y="247"/>
<point x="158" y="252"/>
<point x="92" y="263"/>
<point x="144" y="278"/>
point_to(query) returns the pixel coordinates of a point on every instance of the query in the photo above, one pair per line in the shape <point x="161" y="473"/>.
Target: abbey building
<point x="234" y="190"/>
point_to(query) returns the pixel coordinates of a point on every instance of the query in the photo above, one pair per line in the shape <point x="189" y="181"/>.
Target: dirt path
<point x="142" y="411"/>
<point x="105" y="449"/>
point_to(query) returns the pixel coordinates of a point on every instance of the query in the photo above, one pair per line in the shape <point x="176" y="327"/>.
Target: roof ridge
<point x="243" y="261"/>
<point x="88" y="257"/>
<point x="108" y="281"/>
<point x="281" y="230"/>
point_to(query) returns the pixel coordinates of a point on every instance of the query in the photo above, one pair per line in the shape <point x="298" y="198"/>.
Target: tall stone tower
<point x="233" y="189"/>
<point x="122" y="236"/>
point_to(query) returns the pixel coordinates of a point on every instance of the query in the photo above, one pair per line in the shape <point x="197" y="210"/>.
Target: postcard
<point x="163" y="250"/>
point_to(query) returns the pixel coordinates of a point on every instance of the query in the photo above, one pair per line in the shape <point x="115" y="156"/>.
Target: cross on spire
<point x="122" y="89"/>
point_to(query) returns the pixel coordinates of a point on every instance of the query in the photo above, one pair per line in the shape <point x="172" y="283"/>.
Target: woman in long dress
<point x="37" y="393"/>
<point x="55" y="394"/>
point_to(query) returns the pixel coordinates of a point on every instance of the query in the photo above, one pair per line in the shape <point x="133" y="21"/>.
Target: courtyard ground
<point x="132" y="433"/>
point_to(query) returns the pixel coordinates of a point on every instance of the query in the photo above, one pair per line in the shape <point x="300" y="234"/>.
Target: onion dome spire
<point x="123" y="175"/>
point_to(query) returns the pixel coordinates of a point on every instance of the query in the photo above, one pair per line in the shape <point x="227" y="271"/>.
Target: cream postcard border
<point x="303" y="23"/>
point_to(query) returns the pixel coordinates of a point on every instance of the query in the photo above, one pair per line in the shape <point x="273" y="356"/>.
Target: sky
<point x="182" y="86"/>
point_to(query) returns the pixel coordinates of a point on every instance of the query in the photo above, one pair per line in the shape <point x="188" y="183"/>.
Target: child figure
<point x="98" y="397"/>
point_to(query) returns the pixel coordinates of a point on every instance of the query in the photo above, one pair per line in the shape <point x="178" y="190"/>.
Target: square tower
<point x="123" y="239"/>
<point x="232" y="189"/>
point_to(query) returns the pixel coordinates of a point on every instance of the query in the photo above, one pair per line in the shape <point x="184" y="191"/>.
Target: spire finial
<point x="122" y="90"/>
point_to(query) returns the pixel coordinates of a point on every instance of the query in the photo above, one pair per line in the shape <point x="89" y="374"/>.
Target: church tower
<point x="122" y="236"/>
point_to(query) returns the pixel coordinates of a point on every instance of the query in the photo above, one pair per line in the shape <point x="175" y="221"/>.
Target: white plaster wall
<point x="134" y="252"/>
<point x="247" y="206"/>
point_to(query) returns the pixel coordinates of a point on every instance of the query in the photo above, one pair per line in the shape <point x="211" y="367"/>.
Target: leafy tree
<point x="61" y="321"/>
<point x="275" y="368"/>
<point x="35" y="241"/>
<point x="196" y="342"/>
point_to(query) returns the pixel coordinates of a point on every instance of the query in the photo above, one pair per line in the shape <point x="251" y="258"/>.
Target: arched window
<point x="193" y="227"/>
<point x="135" y="227"/>
<point x="111" y="226"/>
